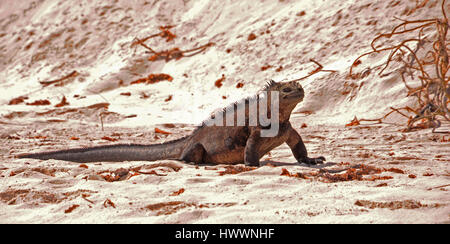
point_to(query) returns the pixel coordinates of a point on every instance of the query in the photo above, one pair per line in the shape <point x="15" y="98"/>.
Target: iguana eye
<point x="287" y="90"/>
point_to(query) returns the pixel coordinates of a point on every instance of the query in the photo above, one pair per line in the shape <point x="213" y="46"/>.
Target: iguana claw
<point x="313" y="161"/>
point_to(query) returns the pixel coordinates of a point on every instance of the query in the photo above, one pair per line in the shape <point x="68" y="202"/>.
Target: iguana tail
<point x="116" y="153"/>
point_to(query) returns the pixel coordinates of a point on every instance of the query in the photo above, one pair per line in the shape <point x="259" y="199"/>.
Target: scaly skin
<point x="210" y="144"/>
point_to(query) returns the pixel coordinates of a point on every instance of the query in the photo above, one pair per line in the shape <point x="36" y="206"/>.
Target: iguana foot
<point x="313" y="161"/>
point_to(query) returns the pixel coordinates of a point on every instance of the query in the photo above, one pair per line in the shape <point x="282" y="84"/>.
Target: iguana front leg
<point x="251" y="154"/>
<point x="298" y="148"/>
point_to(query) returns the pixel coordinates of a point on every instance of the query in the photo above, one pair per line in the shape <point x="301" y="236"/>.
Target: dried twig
<point x="165" y="33"/>
<point x="174" y="53"/>
<point x="47" y="83"/>
<point x="317" y="70"/>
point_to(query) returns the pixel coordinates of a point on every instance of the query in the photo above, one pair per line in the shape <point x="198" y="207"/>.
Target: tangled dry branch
<point x="429" y="69"/>
<point x="174" y="53"/>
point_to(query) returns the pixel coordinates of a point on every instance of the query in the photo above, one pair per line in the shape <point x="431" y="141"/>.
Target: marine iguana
<point x="213" y="144"/>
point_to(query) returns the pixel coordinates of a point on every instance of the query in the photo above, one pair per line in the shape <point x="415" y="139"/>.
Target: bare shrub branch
<point x="433" y="94"/>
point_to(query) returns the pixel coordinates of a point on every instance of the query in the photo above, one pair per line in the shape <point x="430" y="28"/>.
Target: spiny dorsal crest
<point x="269" y="85"/>
<point x="272" y="85"/>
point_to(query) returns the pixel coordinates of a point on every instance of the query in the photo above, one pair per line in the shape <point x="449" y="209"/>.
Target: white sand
<point x="46" y="40"/>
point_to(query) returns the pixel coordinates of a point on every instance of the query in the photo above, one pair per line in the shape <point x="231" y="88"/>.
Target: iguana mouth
<point x="291" y="96"/>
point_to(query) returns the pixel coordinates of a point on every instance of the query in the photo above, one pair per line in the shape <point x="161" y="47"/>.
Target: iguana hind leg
<point x="298" y="148"/>
<point x="251" y="155"/>
<point x="194" y="153"/>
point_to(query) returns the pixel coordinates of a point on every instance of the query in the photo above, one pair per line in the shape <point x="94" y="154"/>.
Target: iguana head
<point x="290" y="92"/>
